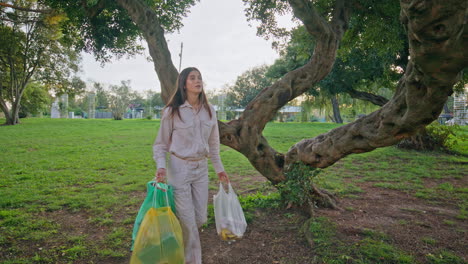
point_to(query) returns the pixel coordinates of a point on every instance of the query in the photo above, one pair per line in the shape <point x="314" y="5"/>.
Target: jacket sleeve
<point x="163" y="140"/>
<point x="213" y="143"/>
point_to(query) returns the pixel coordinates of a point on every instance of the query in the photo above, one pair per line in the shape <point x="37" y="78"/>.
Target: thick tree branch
<point x="315" y="24"/>
<point x="148" y="22"/>
<point x="437" y="39"/>
<point x="373" y="98"/>
<point x="245" y="134"/>
<point x="437" y="34"/>
<point x="264" y="107"/>
<point x="340" y="16"/>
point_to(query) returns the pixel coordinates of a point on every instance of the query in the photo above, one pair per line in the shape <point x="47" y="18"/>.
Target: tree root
<point x="307" y="234"/>
<point x="422" y="141"/>
<point x="322" y="198"/>
<point x="316" y="198"/>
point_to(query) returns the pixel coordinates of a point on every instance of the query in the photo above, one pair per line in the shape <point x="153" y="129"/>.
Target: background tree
<point x="137" y="102"/>
<point x="149" y="107"/>
<point x="247" y="86"/>
<point x="102" y="96"/>
<point x="119" y="99"/>
<point x="30" y="49"/>
<point x="157" y="100"/>
<point x="35" y="101"/>
<point x="74" y="88"/>
<point x="213" y="96"/>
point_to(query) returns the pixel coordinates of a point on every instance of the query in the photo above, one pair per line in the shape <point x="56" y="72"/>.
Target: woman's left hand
<point x="223" y="177"/>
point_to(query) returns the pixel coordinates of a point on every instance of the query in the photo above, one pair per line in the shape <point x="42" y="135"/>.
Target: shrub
<point x="445" y="137"/>
<point x="298" y="187"/>
<point x="434" y="137"/>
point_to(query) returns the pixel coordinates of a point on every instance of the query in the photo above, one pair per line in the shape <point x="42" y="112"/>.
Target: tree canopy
<point x="105" y="29"/>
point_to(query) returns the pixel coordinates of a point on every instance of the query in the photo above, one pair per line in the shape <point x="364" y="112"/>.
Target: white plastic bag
<point x="229" y="217"/>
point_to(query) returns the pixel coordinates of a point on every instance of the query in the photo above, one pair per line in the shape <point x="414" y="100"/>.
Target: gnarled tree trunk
<point x="437" y="40"/>
<point x="245" y="134"/>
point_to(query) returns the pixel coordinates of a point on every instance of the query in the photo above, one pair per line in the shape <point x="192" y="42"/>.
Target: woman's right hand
<point x="160" y="175"/>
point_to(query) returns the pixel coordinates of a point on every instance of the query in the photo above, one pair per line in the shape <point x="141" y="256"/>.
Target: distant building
<point x="288" y="113"/>
<point x="460" y="108"/>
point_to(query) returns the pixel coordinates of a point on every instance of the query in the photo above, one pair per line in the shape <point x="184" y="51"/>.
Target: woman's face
<point x="194" y="83"/>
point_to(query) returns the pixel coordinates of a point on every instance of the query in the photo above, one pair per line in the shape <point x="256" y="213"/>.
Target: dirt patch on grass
<point x="416" y="226"/>
<point x="271" y="237"/>
<point x="461" y="182"/>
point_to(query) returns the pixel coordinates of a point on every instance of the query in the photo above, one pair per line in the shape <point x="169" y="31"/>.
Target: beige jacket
<point x="194" y="137"/>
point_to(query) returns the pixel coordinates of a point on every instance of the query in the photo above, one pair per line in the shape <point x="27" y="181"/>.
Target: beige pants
<point x="189" y="180"/>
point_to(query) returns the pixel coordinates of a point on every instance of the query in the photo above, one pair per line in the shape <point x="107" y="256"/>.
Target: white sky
<point x="217" y="40"/>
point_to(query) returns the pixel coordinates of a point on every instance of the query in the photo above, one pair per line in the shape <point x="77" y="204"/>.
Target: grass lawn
<point x="57" y="174"/>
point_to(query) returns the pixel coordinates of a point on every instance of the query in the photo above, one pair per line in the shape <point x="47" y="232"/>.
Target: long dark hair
<point x="180" y="94"/>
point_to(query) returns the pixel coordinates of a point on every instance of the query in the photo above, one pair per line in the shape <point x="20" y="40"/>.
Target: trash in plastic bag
<point x="155" y="199"/>
<point x="229" y="217"/>
<point x="159" y="239"/>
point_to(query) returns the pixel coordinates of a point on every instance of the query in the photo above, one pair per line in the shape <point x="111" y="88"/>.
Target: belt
<point x="188" y="159"/>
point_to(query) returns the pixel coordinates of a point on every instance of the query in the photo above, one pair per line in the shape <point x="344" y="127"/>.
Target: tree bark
<point x="8" y="119"/>
<point x="16" y="88"/>
<point x="4" y="108"/>
<point x="148" y="22"/>
<point x="422" y="141"/>
<point x="12" y="115"/>
<point x="336" y="110"/>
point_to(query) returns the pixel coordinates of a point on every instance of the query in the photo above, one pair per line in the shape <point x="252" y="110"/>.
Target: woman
<point x="189" y="132"/>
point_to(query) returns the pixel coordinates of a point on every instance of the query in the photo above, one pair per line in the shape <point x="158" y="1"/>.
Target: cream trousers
<point x="189" y="180"/>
